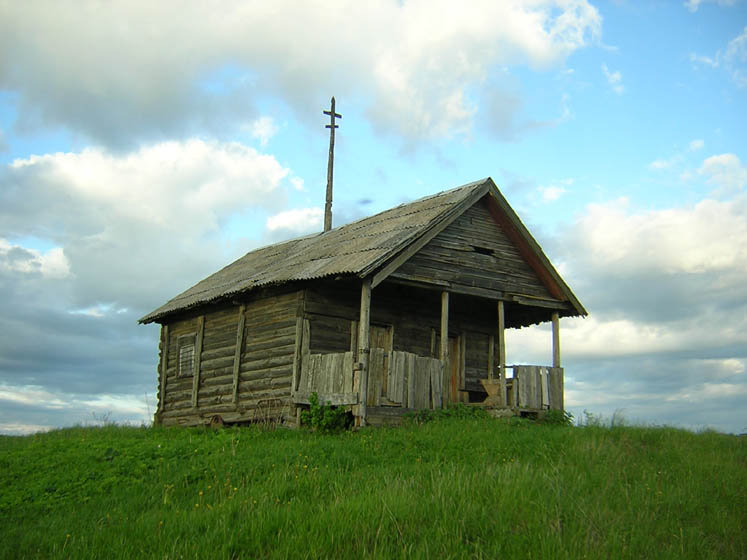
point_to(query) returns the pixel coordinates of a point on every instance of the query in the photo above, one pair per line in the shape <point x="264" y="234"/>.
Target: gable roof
<point x="374" y="245"/>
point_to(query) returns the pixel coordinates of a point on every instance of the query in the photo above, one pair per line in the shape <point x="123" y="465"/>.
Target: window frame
<point x="185" y="343"/>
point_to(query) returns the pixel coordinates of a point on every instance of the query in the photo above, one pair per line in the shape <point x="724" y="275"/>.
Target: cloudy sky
<point x="144" y="145"/>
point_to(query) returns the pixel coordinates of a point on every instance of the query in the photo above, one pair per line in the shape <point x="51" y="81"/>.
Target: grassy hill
<point x="449" y="489"/>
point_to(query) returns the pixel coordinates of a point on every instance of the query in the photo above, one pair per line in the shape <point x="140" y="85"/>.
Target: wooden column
<point x="164" y="369"/>
<point x="364" y="346"/>
<point x="501" y="336"/>
<point x="198" y="357"/>
<point x="555" y="340"/>
<point x="491" y="358"/>
<point x="444" y="351"/>
<point x="237" y="353"/>
<point x="502" y="351"/>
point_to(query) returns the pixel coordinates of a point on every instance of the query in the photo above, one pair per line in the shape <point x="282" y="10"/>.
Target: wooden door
<point x="380" y="340"/>
<point x="380" y="337"/>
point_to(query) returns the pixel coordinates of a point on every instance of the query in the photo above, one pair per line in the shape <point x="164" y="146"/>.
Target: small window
<point x="186" y="355"/>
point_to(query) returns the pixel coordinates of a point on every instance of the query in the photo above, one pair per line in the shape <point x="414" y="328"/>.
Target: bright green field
<point x="450" y="489"/>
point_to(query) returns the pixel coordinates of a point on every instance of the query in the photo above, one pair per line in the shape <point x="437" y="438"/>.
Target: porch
<point x="401" y="382"/>
<point x="419" y="349"/>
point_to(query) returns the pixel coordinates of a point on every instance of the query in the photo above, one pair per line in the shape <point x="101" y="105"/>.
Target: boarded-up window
<point x="186" y="355"/>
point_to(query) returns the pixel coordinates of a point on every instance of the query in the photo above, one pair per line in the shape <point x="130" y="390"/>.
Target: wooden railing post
<point x="364" y="346"/>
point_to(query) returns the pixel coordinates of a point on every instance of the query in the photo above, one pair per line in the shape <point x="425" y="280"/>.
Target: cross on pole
<point x="330" y="164"/>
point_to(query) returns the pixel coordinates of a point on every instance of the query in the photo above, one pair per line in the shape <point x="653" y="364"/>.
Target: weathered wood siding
<point x="267" y="345"/>
<point x="474" y="252"/>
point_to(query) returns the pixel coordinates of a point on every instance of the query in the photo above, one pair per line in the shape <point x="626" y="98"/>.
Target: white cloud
<point x="298" y="184"/>
<point x="416" y="61"/>
<point x="49" y="264"/>
<point x="725" y="172"/>
<point x="551" y="193"/>
<point x="711" y="236"/>
<point x="180" y="186"/>
<point x="151" y="217"/>
<point x="696" y="145"/>
<point x="299" y="220"/>
<point x="702" y="59"/>
<point x="693" y="5"/>
<point x="614" y="79"/>
<point x="661" y="164"/>
<point x="733" y="59"/>
<point x="31" y="395"/>
<point x="263" y="129"/>
<point x="21" y="429"/>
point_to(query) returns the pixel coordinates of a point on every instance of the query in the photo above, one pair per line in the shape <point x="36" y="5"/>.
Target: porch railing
<point x="530" y="387"/>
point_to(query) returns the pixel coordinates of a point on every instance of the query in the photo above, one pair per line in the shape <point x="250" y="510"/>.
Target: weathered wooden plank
<point x="436" y="376"/>
<point x="237" y="353"/>
<point x="347" y="369"/>
<point x="410" y="368"/>
<point x="215" y="363"/>
<point x="396" y="381"/>
<point x="297" y="352"/>
<point x="545" y="388"/>
<point x="377" y="371"/>
<point x="555" y="388"/>
<point x="197" y="358"/>
<point x="421" y="383"/>
<point x="252" y="344"/>
<point x="529" y="386"/>
<point x="272" y="372"/>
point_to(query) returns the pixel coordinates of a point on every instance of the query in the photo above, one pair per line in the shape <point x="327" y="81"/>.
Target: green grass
<point x="462" y="488"/>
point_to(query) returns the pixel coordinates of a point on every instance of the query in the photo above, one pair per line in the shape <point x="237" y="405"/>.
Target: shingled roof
<point x="356" y="249"/>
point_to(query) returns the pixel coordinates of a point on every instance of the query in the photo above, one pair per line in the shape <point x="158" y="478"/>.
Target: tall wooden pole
<point x="330" y="164"/>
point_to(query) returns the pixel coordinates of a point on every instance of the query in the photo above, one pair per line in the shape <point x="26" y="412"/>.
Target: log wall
<point x="261" y="380"/>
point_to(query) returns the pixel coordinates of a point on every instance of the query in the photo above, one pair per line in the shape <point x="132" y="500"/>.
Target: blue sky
<point x="141" y="151"/>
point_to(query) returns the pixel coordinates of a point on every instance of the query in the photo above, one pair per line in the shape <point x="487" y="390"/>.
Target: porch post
<point x="364" y="346"/>
<point x="444" y="351"/>
<point x="502" y="351"/>
<point x="555" y="340"/>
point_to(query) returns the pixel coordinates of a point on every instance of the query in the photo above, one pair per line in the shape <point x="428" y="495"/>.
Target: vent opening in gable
<point x="483" y="250"/>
